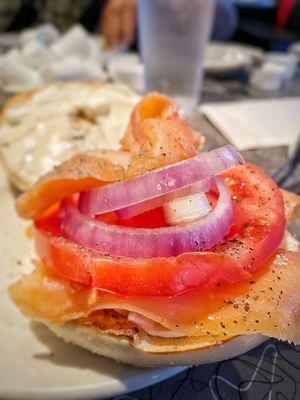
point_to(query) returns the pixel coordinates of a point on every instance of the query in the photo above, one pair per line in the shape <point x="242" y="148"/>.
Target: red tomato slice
<point x="259" y="223"/>
<point x="257" y="232"/>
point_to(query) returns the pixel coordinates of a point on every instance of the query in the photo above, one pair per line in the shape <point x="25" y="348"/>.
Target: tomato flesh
<point x="259" y="225"/>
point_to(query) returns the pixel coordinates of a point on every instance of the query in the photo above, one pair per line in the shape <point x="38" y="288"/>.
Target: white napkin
<point x="36" y="54"/>
<point x="128" y="69"/>
<point x="15" y="76"/>
<point x="76" y="42"/>
<point x="256" y="123"/>
<point x="45" y="33"/>
<point x="74" y="68"/>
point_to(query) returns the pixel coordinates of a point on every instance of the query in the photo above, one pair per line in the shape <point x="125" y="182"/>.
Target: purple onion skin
<point x="151" y="243"/>
<point x="158" y="183"/>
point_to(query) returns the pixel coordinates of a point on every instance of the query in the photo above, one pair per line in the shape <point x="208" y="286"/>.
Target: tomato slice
<point x="257" y="232"/>
<point x="259" y="216"/>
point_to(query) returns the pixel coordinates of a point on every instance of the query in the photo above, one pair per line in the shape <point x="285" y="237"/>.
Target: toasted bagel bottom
<point x="120" y="348"/>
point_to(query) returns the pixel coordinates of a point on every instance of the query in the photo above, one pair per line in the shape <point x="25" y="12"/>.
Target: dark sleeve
<point x="294" y="19"/>
<point x="226" y="20"/>
<point x="90" y="18"/>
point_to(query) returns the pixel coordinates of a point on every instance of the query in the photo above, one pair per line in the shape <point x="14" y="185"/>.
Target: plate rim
<point x="111" y="389"/>
<point x="254" y="50"/>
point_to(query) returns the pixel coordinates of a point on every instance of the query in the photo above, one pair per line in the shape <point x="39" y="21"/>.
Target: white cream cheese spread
<point x="60" y="120"/>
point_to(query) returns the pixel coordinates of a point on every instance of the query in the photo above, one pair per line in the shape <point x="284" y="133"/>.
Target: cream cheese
<point x="61" y="120"/>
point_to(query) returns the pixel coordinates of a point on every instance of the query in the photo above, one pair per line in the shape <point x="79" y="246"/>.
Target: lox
<point x="204" y="279"/>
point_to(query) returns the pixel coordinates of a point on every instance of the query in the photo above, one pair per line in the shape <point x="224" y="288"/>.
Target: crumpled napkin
<point x="253" y="124"/>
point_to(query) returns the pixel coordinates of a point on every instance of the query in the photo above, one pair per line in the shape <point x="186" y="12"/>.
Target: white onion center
<point x="186" y="209"/>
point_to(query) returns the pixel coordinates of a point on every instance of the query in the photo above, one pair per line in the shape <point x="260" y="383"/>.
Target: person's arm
<point x="226" y="20"/>
<point x="118" y="22"/>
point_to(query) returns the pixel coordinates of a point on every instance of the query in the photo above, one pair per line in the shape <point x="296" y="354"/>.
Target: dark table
<point x="269" y="372"/>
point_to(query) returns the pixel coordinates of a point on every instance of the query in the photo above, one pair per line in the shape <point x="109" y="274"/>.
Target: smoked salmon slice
<point x="267" y="304"/>
<point x="157" y="135"/>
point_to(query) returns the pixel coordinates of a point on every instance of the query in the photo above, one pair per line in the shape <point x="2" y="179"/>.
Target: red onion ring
<point x="129" y="212"/>
<point x="150" y="243"/>
<point x="158" y="182"/>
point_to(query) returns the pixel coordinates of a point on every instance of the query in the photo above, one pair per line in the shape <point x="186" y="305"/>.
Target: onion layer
<point x="150" y="243"/>
<point x="198" y="187"/>
<point x="186" y="209"/>
<point x="158" y="182"/>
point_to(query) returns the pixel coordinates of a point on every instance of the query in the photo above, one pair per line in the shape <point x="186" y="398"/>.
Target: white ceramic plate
<point x="35" y="364"/>
<point x="225" y="57"/>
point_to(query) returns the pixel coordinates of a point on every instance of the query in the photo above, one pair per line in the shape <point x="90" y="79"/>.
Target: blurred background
<point x="42" y="41"/>
<point x="215" y="57"/>
<point x="271" y="24"/>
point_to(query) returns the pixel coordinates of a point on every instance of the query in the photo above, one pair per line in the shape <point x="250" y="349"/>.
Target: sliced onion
<point x="151" y="243"/>
<point x="198" y="187"/>
<point x="158" y="182"/>
<point x="186" y="209"/>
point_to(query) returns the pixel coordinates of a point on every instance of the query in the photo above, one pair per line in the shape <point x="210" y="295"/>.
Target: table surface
<point x="271" y="371"/>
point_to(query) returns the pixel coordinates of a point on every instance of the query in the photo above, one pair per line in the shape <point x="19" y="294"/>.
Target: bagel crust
<point x="120" y="348"/>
